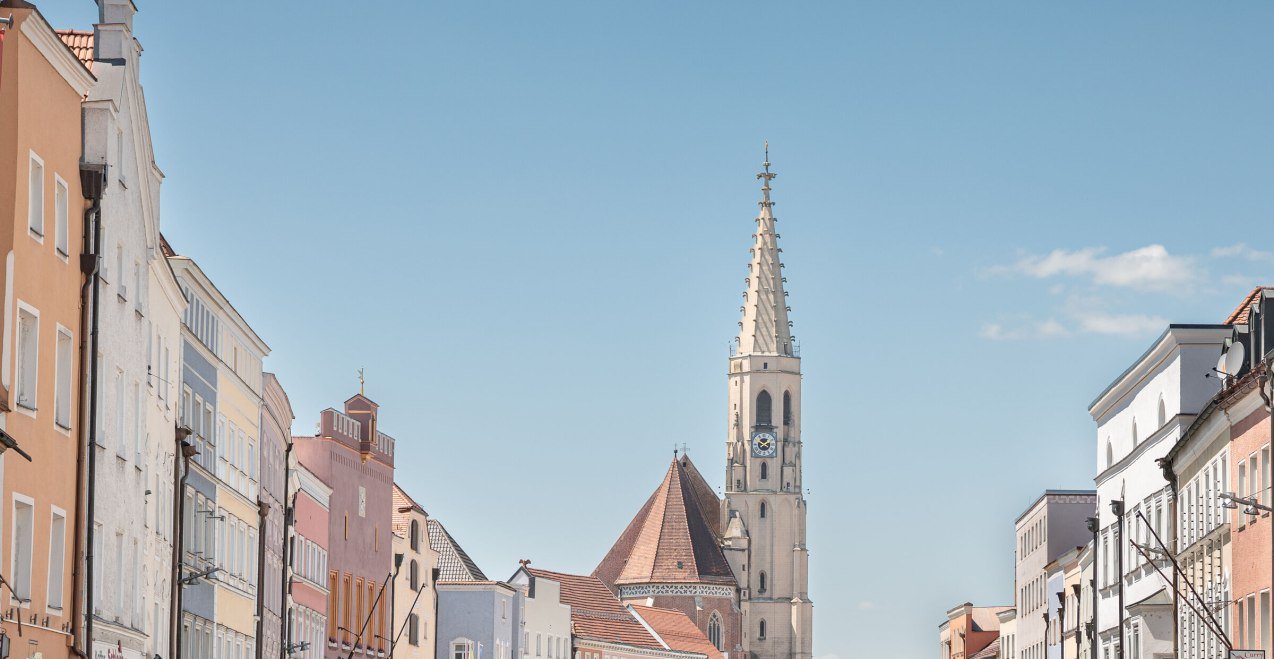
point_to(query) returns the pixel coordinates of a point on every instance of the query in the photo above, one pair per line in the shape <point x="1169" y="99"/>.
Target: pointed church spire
<point x="764" y="328"/>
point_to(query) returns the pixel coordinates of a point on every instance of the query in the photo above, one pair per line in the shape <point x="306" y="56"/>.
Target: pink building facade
<point x="307" y="546"/>
<point x="356" y="461"/>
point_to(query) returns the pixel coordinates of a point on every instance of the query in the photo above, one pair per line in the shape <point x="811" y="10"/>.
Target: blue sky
<point x="530" y="223"/>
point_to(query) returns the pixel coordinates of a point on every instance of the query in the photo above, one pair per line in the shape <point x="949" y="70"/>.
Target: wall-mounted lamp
<point x="8" y="442"/>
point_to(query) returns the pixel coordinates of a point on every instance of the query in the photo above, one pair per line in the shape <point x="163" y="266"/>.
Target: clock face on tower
<point x="764" y="444"/>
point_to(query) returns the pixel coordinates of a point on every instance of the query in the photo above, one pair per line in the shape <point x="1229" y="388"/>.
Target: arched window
<point x="760" y="630"/>
<point x="413" y="575"/>
<point x="415" y="535"/>
<point x="1163" y="413"/>
<point x="714" y="631"/>
<point x="787" y="408"/>
<point x="762" y="510"/>
<point x="1134" y="433"/>
<point x="1110" y="454"/>
<point x="763" y="408"/>
<point x="765" y="470"/>
<point x="761" y="583"/>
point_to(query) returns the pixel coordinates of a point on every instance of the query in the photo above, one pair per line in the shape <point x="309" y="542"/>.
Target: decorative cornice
<point x="676" y="590"/>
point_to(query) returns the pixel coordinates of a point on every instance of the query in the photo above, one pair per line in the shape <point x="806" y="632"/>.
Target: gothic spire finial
<point x="361" y="382"/>
<point x="765" y="328"/>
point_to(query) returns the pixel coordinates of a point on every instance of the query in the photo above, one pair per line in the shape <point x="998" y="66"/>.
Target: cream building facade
<point x="228" y="435"/>
<point x="415" y="602"/>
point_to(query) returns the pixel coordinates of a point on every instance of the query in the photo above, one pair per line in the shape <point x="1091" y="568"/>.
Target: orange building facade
<point x="41" y="86"/>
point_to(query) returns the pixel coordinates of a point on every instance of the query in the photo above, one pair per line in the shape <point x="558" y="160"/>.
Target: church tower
<point x="764" y="511"/>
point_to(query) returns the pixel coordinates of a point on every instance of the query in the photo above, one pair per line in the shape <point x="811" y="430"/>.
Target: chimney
<point x="116" y="12"/>
<point x="113" y="35"/>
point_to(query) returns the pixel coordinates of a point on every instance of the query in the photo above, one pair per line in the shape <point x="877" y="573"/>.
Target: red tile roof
<point x="596" y="613"/>
<point x="402" y="518"/>
<point x="1239" y="317"/>
<point x="678" y="631"/>
<point x="674" y="538"/>
<point x="989" y="652"/>
<point x="80" y="43"/>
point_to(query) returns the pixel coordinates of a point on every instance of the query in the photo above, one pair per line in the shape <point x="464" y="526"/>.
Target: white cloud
<point x="1241" y="251"/>
<point x="1146" y="268"/>
<point x="1044" y="329"/>
<point x="1120" y="324"/>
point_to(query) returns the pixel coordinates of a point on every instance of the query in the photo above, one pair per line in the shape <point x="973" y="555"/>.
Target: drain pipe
<point x="92" y="185"/>
<point x="185" y="451"/>
<point x="289" y="511"/>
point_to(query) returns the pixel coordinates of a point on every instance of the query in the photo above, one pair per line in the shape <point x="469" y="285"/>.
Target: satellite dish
<point x="1233" y="359"/>
<point x="1220" y="366"/>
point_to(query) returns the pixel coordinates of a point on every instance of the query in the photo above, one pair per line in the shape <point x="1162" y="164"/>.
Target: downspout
<point x="185" y="451"/>
<point x="1165" y="465"/>
<point x="92" y="184"/>
<point x="1094" y="525"/>
<point x="1117" y="507"/>
<point x="263" y="511"/>
<point x="288" y="504"/>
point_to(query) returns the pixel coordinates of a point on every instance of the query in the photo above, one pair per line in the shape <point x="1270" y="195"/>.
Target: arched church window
<point x="714" y="631"/>
<point x="1163" y="413"/>
<point x="413" y="575"/>
<point x="1134" y="433"/>
<point x="765" y="470"/>
<point x="787" y="408"/>
<point x="763" y="408"/>
<point x="415" y="535"/>
<point x="762" y="583"/>
<point x="1110" y="454"/>
<point x="760" y="630"/>
<point x="762" y="510"/>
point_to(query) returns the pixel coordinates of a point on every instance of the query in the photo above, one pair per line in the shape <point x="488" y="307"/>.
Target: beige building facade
<point x="415" y="603"/>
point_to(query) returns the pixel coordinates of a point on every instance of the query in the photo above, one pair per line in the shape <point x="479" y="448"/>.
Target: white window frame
<point x="13" y="547"/>
<point x="61" y="218"/>
<point x="61" y="388"/>
<point x="30" y="406"/>
<point x="56" y="561"/>
<point x="35" y="198"/>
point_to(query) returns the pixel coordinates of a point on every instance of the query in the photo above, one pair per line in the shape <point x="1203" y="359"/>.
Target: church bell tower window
<point x="763" y="406"/>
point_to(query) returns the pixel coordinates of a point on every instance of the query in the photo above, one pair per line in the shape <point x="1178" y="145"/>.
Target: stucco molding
<point x="676" y="590"/>
<point x="57" y="53"/>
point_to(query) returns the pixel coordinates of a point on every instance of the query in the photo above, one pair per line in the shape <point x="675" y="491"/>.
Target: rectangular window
<point x="1265" y="476"/>
<point x="28" y="356"/>
<point x="61" y="211"/>
<point x="1265" y="624"/>
<point x="57" y="557"/>
<point x="122" y="291"/>
<point x="65" y="370"/>
<point x="23" y="538"/>
<point x="35" y="198"/>
<point x="120" y="413"/>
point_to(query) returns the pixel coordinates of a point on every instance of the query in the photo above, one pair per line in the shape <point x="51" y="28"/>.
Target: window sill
<point x="121" y="297"/>
<point x="36" y="235"/>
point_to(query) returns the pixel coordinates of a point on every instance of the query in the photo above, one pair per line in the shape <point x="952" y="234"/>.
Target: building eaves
<point x="1149" y="351"/>
<point x="1052" y="493"/>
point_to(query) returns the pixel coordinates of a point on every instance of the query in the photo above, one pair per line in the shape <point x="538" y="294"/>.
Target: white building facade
<point x="1140" y="417"/>
<point x="138" y="362"/>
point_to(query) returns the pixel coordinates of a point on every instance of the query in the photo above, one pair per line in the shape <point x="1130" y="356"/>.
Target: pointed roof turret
<point x="764" y="328"/>
<point x="674" y="538"/>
